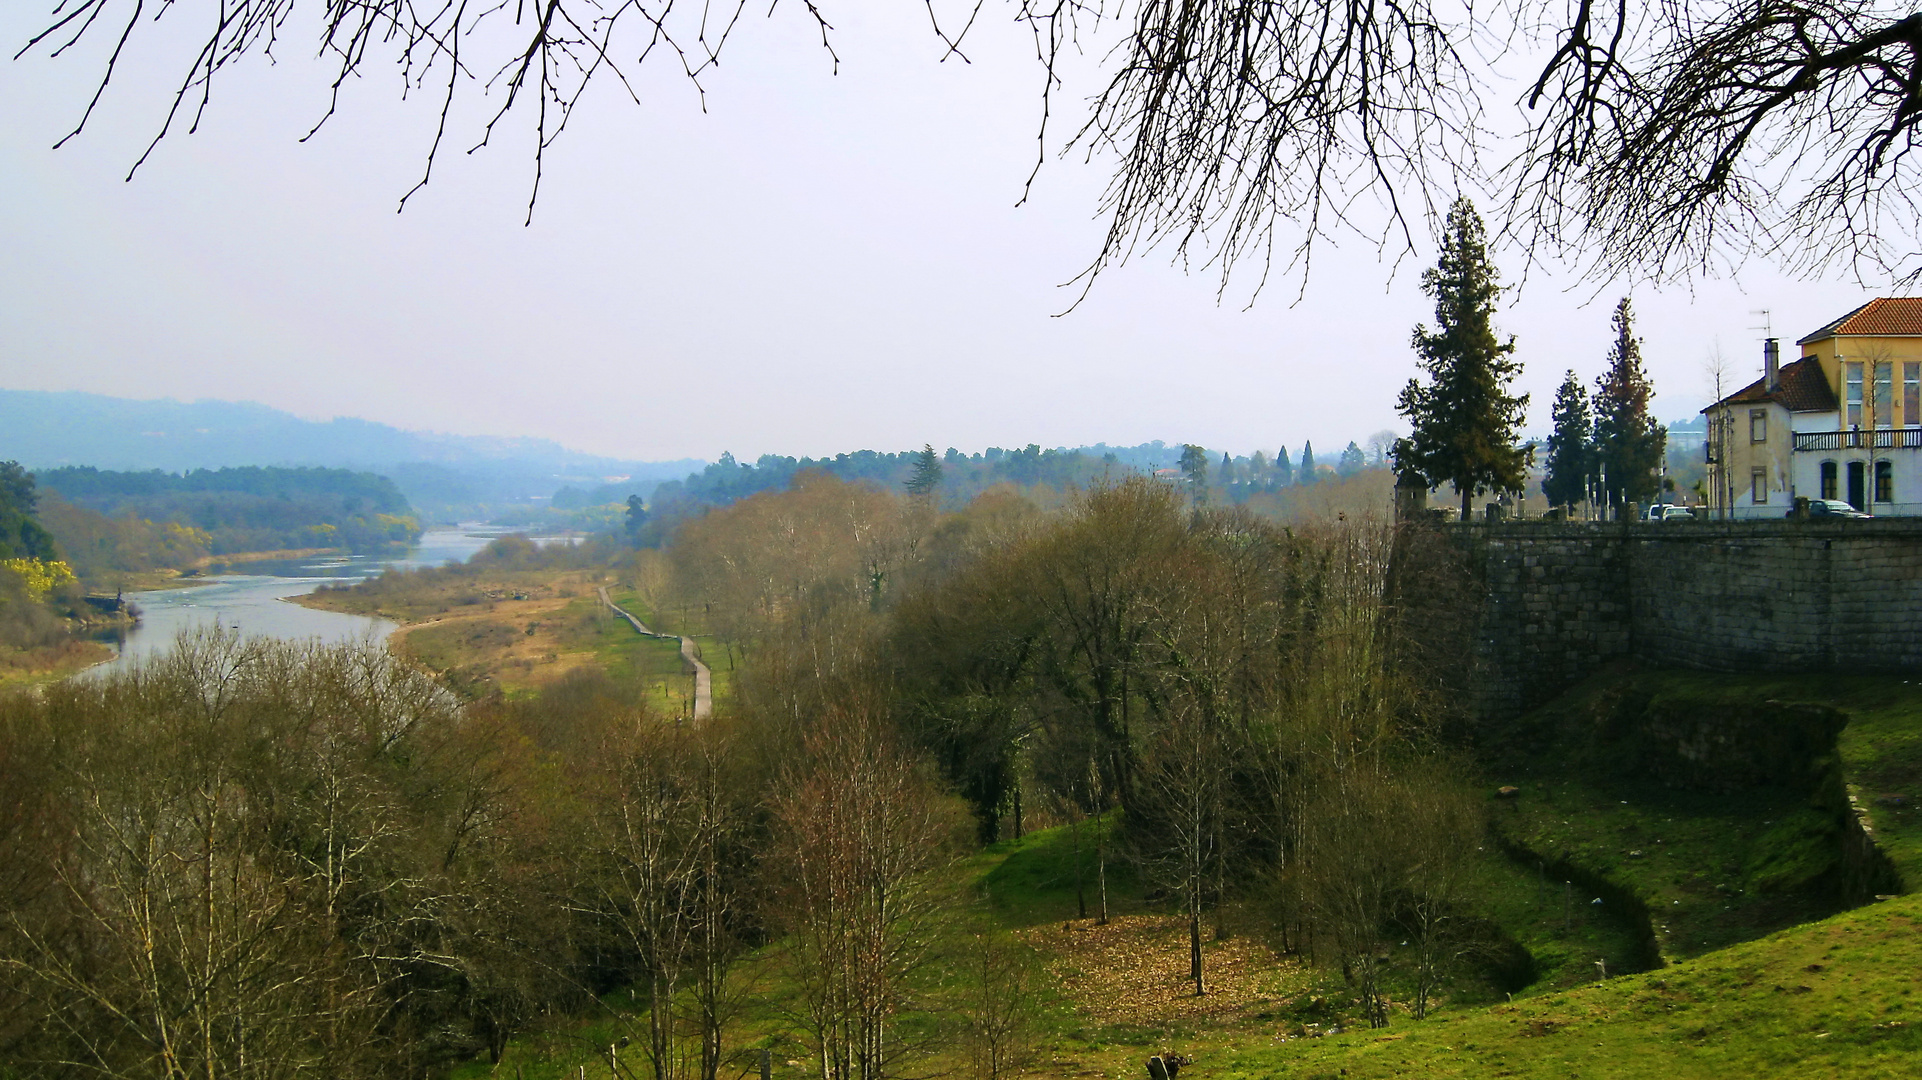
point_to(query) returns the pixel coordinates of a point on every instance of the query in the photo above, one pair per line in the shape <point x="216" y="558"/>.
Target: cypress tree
<point x="1628" y="441"/>
<point x="1284" y="468"/>
<point x="1463" y="422"/>
<point x="1571" y="447"/>
<point x="1307" y="473"/>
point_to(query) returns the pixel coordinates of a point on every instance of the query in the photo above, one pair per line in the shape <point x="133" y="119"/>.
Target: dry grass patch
<point x="518" y="643"/>
<point x="27" y="667"/>
<point x="1135" y="971"/>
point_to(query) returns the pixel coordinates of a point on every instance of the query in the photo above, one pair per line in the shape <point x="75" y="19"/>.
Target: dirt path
<point x="703" y="678"/>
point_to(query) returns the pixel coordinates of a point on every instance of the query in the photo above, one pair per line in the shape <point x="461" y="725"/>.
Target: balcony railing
<point x="1909" y="438"/>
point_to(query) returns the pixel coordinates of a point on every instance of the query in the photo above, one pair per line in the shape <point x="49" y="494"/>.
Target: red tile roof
<point x="1802" y="387"/>
<point x="1884" y="316"/>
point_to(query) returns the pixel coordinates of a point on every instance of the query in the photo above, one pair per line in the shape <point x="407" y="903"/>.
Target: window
<point x="1912" y="393"/>
<point x="1828" y="480"/>
<point x="1758" y="485"/>
<point x="1758" y="425"/>
<point x="1884" y="481"/>
<point x="1854" y="395"/>
<point x="1884" y="395"/>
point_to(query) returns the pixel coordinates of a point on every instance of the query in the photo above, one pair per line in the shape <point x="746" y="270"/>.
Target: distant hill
<point x="443" y="476"/>
<point x="250" y="508"/>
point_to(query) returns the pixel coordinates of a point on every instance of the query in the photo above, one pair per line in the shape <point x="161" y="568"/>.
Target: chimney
<point x="1771" y="365"/>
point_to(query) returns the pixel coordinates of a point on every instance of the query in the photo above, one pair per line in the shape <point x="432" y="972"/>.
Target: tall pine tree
<point x="1463" y="422"/>
<point x="1628" y="441"/>
<point x="1571" y="446"/>
<point x="1306" y="475"/>
<point x="927" y="472"/>
<point x="1284" y="468"/>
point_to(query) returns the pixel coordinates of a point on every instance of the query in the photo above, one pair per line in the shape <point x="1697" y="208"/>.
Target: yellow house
<point x="1842" y="422"/>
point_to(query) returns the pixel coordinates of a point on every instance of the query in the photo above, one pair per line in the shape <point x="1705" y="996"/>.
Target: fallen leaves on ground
<point x="1134" y="971"/>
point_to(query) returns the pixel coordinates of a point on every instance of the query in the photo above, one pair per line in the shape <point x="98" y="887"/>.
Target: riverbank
<point x="515" y="629"/>
<point x="242" y="558"/>
<point x="200" y="572"/>
<point x="51" y="663"/>
<point x="248" y="598"/>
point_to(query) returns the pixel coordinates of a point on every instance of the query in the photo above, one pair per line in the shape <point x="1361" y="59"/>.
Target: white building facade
<point x="1842" y="422"/>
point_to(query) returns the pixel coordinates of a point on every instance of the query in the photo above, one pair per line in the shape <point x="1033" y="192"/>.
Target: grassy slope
<point x="1753" y="990"/>
<point x="1834" y="998"/>
<point x="1882" y="761"/>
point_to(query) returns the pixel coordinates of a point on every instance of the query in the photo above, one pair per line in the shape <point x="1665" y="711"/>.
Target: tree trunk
<point x="1101" y="869"/>
<point x="1194" y="945"/>
<point x="1080" y="891"/>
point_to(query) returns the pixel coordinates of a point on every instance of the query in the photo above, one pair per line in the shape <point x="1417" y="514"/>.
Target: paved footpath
<point x="703" y="678"/>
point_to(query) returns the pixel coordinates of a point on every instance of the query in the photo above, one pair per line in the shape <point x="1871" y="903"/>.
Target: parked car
<point x="1830" y="508"/>
<point x="1677" y="513"/>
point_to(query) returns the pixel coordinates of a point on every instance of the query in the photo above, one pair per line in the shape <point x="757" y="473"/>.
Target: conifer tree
<point x="1229" y="475"/>
<point x="1307" y="473"/>
<point x="1463" y="422"/>
<point x="1628" y="441"/>
<point x="927" y="472"/>
<point x="1571" y="446"/>
<point x="1284" y="468"/>
<point x="1352" y="460"/>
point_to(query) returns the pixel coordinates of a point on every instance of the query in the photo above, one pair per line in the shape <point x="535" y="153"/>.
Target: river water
<point x="255" y="603"/>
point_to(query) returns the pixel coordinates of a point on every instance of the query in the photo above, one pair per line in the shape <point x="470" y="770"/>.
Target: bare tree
<point x="999" y="1004"/>
<point x="1180" y="807"/>
<point x="652" y="841"/>
<point x="862" y="835"/>
<point x="1661" y="139"/>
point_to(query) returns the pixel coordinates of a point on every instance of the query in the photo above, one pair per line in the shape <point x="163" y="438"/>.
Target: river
<point x="255" y="603"/>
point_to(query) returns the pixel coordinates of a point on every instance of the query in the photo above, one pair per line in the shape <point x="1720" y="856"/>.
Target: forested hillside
<point x="40" y="599"/>
<point x="402" y="882"/>
<point x="1024" y="786"/>
<point x="251" y="508"/>
<point x="106" y="551"/>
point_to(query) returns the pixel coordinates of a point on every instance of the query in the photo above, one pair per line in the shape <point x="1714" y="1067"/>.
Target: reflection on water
<point x="254" y="602"/>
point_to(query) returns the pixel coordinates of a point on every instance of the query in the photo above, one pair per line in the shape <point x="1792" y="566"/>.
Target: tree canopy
<point x="926" y="476"/>
<point x="252" y="508"/>
<point x="1571" y="450"/>
<point x="1464" y="421"/>
<point x="1657" y="140"/>
<point x="21" y="537"/>
<point x="1628" y="441"/>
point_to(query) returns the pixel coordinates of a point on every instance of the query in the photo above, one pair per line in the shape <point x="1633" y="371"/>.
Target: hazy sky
<point x="819" y="263"/>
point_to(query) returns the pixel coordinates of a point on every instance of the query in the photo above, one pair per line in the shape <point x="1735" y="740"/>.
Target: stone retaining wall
<point x="1561" y="598"/>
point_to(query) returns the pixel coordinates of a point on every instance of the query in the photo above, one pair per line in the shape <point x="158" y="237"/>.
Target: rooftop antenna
<point x="1768" y="326"/>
